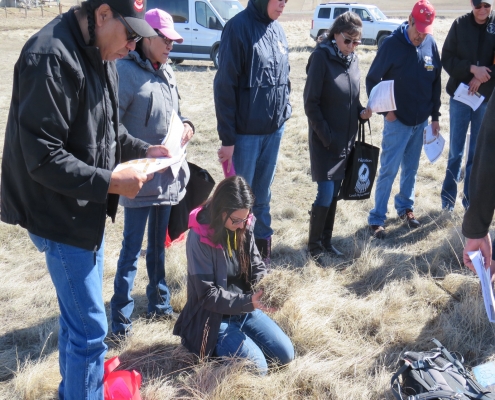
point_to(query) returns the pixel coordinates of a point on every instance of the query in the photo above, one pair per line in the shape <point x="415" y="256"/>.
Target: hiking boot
<point x="377" y="231"/>
<point x="411" y="220"/>
<point x="328" y="230"/>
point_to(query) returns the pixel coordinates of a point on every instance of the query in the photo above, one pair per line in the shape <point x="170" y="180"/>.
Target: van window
<point x="179" y="10"/>
<point x="324" y="13"/>
<point x="227" y="8"/>
<point x="205" y="16"/>
<point x="338" y="11"/>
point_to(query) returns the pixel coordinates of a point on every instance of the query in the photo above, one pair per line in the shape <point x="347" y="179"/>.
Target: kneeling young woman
<point x="222" y="316"/>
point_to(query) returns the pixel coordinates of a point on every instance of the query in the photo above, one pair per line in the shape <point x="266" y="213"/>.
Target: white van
<point x="200" y="23"/>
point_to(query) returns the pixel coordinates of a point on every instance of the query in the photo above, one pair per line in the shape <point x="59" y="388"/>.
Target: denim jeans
<point x="157" y="292"/>
<point x="327" y="190"/>
<point x="254" y="336"/>
<point x="460" y="117"/>
<point x="255" y="159"/>
<point x="401" y="147"/>
<point x="77" y="275"/>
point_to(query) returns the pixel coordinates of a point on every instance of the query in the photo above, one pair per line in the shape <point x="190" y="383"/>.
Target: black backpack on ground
<point x="436" y="374"/>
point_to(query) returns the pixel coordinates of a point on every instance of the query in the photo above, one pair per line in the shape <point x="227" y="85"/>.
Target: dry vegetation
<point x="349" y="321"/>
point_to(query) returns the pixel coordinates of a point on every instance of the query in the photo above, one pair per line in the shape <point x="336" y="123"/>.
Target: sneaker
<point x="411" y="220"/>
<point x="377" y="231"/>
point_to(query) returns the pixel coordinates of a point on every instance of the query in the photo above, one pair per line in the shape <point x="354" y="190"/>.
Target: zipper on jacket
<point x="148" y="112"/>
<point x="350" y="114"/>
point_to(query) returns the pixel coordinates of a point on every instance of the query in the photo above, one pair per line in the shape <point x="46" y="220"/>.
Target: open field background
<point x="349" y="321"/>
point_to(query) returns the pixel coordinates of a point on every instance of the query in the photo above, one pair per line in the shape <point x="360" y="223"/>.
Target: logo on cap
<point x="138" y="5"/>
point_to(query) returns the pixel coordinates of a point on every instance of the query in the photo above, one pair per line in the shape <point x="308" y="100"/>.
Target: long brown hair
<point x="348" y="22"/>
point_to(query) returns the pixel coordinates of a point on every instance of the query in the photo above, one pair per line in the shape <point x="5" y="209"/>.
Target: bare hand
<point x="157" y="151"/>
<point x="187" y="134"/>
<point x="474" y="85"/>
<point x="390" y="117"/>
<point x="256" y="298"/>
<point x="225" y="153"/>
<point x="481" y="73"/>
<point x="484" y="245"/>
<point x="435" y="127"/>
<point x="128" y="182"/>
<point x="366" y="113"/>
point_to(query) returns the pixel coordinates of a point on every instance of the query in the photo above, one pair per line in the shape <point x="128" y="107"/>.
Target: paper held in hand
<point x="432" y="145"/>
<point x="486" y="285"/>
<point x="472" y="100"/>
<point x="176" y="150"/>
<point x="382" y="98"/>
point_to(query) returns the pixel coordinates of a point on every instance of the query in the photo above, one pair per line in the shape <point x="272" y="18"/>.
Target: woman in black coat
<point x="331" y="103"/>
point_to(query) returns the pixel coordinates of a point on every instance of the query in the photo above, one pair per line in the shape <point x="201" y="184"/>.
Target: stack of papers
<point x="432" y="145"/>
<point x="486" y="285"/>
<point x="472" y="100"/>
<point x="382" y="98"/>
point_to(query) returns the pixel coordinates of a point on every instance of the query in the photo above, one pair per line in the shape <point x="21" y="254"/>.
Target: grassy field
<point x="349" y="321"/>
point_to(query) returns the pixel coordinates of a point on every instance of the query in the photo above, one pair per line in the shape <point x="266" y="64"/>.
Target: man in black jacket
<point x="62" y="141"/>
<point x="251" y="90"/>
<point x="467" y="56"/>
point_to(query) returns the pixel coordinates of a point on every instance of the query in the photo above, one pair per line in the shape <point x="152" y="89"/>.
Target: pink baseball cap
<point x="159" y="19"/>
<point x="423" y="13"/>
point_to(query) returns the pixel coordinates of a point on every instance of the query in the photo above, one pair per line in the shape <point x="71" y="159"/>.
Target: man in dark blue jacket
<point x="251" y="90"/>
<point x="410" y="58"/>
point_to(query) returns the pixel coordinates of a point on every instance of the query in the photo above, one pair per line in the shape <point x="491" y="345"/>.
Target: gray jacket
<point x="146" y="100"/>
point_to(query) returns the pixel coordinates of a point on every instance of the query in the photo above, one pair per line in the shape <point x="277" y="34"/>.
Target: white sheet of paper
<point x="432" y="145"/>
<point x="486" y="285"/>
<point x="472" y="100"/>
<point x="150" y="165"/>
<point x="382" y="98"/>
<point x="174" y="135"/>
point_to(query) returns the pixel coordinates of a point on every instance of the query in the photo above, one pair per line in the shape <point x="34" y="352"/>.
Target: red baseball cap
<point x="423" y="13"/>
<point x="161" y="20"/>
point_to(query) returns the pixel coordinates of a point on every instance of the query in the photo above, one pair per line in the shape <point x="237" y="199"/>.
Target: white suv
<point x="376" y="26"/>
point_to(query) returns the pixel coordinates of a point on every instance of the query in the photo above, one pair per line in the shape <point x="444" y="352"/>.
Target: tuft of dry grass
<point x="349" y="320"/>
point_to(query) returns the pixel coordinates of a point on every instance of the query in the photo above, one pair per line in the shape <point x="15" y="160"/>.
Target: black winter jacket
<point x="416" y="72"/>
<point x="331" y="102"/>
<point x="469" y="43"/>
<point x="251" y="87"/>
<point x="60" y="144"/>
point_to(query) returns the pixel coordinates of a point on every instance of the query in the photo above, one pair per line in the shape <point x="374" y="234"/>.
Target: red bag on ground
<point x="169" y="242"/>
<point x="120" y="385"/>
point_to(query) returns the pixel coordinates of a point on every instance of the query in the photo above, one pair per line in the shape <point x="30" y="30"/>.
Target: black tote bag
<point x="198" y="189"/>
<point x="361" y="168"/>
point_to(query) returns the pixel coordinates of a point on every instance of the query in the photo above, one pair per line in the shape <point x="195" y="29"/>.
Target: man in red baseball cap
<point x="410" y="58"/>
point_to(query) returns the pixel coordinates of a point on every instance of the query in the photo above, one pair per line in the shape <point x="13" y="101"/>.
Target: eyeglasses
<point x="348" y="41"/>
<point x="484" y="5"/>
<point x="239" y="221"/>
<point x="131" y="35"/>
<point x="168" y="42"/>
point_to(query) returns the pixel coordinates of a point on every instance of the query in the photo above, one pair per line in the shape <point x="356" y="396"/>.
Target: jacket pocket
<point x="148" y="111"/>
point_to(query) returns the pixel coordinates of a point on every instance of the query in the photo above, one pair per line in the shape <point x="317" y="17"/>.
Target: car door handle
<point x="195" y="29"/>
<point x="186" y="29"/>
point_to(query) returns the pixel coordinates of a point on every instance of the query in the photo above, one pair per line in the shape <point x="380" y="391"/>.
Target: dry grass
<point x="349" y="321"/>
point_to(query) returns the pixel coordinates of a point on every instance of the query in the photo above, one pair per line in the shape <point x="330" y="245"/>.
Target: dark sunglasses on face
<point x="484" y="5"/>
<point x="168" y="42"/>
<point x="239" y="221"/>
<point x="348" y="41"/>
<point x="131" y="35"/>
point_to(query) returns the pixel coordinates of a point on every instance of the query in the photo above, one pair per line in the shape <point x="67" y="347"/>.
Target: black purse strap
<point x="362" y="131"/>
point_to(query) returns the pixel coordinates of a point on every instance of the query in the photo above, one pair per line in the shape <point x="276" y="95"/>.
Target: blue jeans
<point x="327" y="190"/>
<point x="255" y="159"/>
<point x="460" y="117"/>
<point x="254" y="336"/>
<point x="77" y="275"/>
<point x="401" y="147"/>
<point x="122" y="304"/>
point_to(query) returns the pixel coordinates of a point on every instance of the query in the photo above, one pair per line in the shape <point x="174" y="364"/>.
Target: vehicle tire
<point x="214" y="57"/>
<point x="381" y="38"/>
<point x="177" y="60"/>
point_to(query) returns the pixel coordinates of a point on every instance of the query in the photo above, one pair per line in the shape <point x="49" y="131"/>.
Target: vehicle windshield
<point x="227" y="8"/>
<point x="377" y="14"/>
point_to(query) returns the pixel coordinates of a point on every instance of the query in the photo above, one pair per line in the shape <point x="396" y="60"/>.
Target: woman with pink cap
<point x="147" y="95"/>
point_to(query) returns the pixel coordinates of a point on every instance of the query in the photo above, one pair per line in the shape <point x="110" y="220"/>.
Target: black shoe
<point x="328" y="230"/>
<point x="162" y="317"/>
<point x="318" y="216"/>
<point x="411" y="220"/>
<point x="378" y="231"/>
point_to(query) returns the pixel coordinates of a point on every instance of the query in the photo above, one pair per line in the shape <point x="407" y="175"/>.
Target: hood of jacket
<point x="401" y="31"/>
<point x="199" y="223"/>
<point x="259" y="9"/>
<point x="145" y="64"/>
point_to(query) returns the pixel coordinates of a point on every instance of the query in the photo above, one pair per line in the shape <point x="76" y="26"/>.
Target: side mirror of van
<point x="214" y="23"/>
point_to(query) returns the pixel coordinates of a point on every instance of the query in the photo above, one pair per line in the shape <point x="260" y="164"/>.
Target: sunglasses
<point x="482" y="5"/>
<point x="348" y="41"/>
<point x="239" y="221"/>
<point x="168" y="42"/>
<point x="131" y="35"/>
